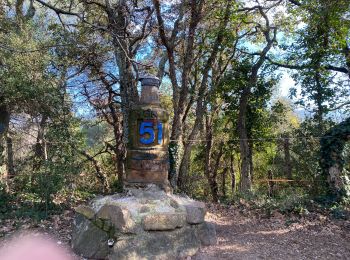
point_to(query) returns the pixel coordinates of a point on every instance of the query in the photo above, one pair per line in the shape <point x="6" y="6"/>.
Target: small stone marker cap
<point x="149" y="80"/>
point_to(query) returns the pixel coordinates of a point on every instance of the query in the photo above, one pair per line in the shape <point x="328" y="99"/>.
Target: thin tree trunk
<point x="287" y="160"/>
<point x="213" y="177"/>
<point x="214" y="188"/>
<point x="251" y="165"/>
<point x="271" y="184"/>
<point x="223" y="182"/>
<point x="119" y="149"/>
<point x="319" y="102"/>
<point x="233" y="176"/>
<point x="39" y="149"/>
<point x="211" y="170"/>
<point x="208" y="152"/>
<point x="10" y="164"/>
<point x="118" y="20"/>
<point x="245" y="184"/>
<point x="4" y="125"/>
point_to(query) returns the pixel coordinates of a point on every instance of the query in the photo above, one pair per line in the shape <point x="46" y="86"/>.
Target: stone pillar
<point x="147" y="153"/>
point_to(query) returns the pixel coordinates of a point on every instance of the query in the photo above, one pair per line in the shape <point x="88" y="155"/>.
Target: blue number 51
<point x="147" y="128"/>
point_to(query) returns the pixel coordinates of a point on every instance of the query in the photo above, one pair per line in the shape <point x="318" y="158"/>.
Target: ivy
<point x="332" y="146"/>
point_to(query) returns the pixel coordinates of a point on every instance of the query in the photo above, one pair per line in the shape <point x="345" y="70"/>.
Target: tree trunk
<point x="208" y="152"/>
<point x="118" y="21"/>
<point x="287" y="160"/>
<point x="243" y="103"/>
<point x="39" y="148"/>
<point x="223" y="182"/>
<point x="4" y="125"/>
<point x="10" y="164"/>
<point x="175" y="153"/>
<point x="233" y="177"/>
<point x="251" y="165"/>
<point x="245" y="184"/>
<point x="319" y="96"/>
<point x="119" y="149"/>
<point x="184" y="167"/>
<point x="214" y="188"/>
<point x="271" y="184"/>
<point x="213" y="178"/>
<point x="210" y="169"/>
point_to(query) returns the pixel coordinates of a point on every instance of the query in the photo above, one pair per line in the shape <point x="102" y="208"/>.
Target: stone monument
<point x="147" y="221"/>
<point x="147" y="157"/>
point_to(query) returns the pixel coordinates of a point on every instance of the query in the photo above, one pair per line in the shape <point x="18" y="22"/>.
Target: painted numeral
<point x="147" y="128"/>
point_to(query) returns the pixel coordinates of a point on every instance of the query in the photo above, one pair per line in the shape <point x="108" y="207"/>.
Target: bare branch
<point x="58" y="10"/>
<point x="340" y="106"/>
<point x="306" y="66"/>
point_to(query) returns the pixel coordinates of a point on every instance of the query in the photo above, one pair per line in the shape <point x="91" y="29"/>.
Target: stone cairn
<point x="147" y="221"/>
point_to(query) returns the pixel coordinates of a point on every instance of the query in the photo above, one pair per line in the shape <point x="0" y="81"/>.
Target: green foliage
<point x="290" y="200"/>
<point x="116" y="185"/>
<point x="321" y="42"/>
<point x="5" y="199"/>
<point x="332" y="146"/>
<point x="27" y="81"/>
<point x="61" y="164"/>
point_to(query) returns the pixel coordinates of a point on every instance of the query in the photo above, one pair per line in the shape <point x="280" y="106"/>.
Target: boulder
<point x="207" y="234"/>
<point x="163" y="221"/>
<point x="195" y="212"/>
<point x="88" y="240"/>
<point x="86" y="211"/>
<point x="115" y="217"/>
<point x="157" y="245"/>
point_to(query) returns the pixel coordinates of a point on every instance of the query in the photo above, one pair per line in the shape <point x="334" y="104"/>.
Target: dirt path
<point x="247" y="236"/>
<point x="242" y="234"/>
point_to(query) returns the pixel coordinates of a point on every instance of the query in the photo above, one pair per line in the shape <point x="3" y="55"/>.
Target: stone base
<point x="146" y="223"/>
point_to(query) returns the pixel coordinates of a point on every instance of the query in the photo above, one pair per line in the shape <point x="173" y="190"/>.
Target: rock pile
<point x="142" y="224"/>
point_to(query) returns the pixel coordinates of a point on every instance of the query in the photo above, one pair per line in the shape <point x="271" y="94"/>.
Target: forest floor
<point x="242" y="233"/>
<point x="248" y="234"/>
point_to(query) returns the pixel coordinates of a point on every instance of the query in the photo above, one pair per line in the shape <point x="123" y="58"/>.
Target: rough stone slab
<point x="163" y="221"/>
<point x="151" y="191"/>
<point x="157" y="245"/>
<point x="207" y="234"/>
<point x="86" y="211"/>
<point x="88" y="240"/>
<point x="195" y="212"/>
<point x="113" y="216"/>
